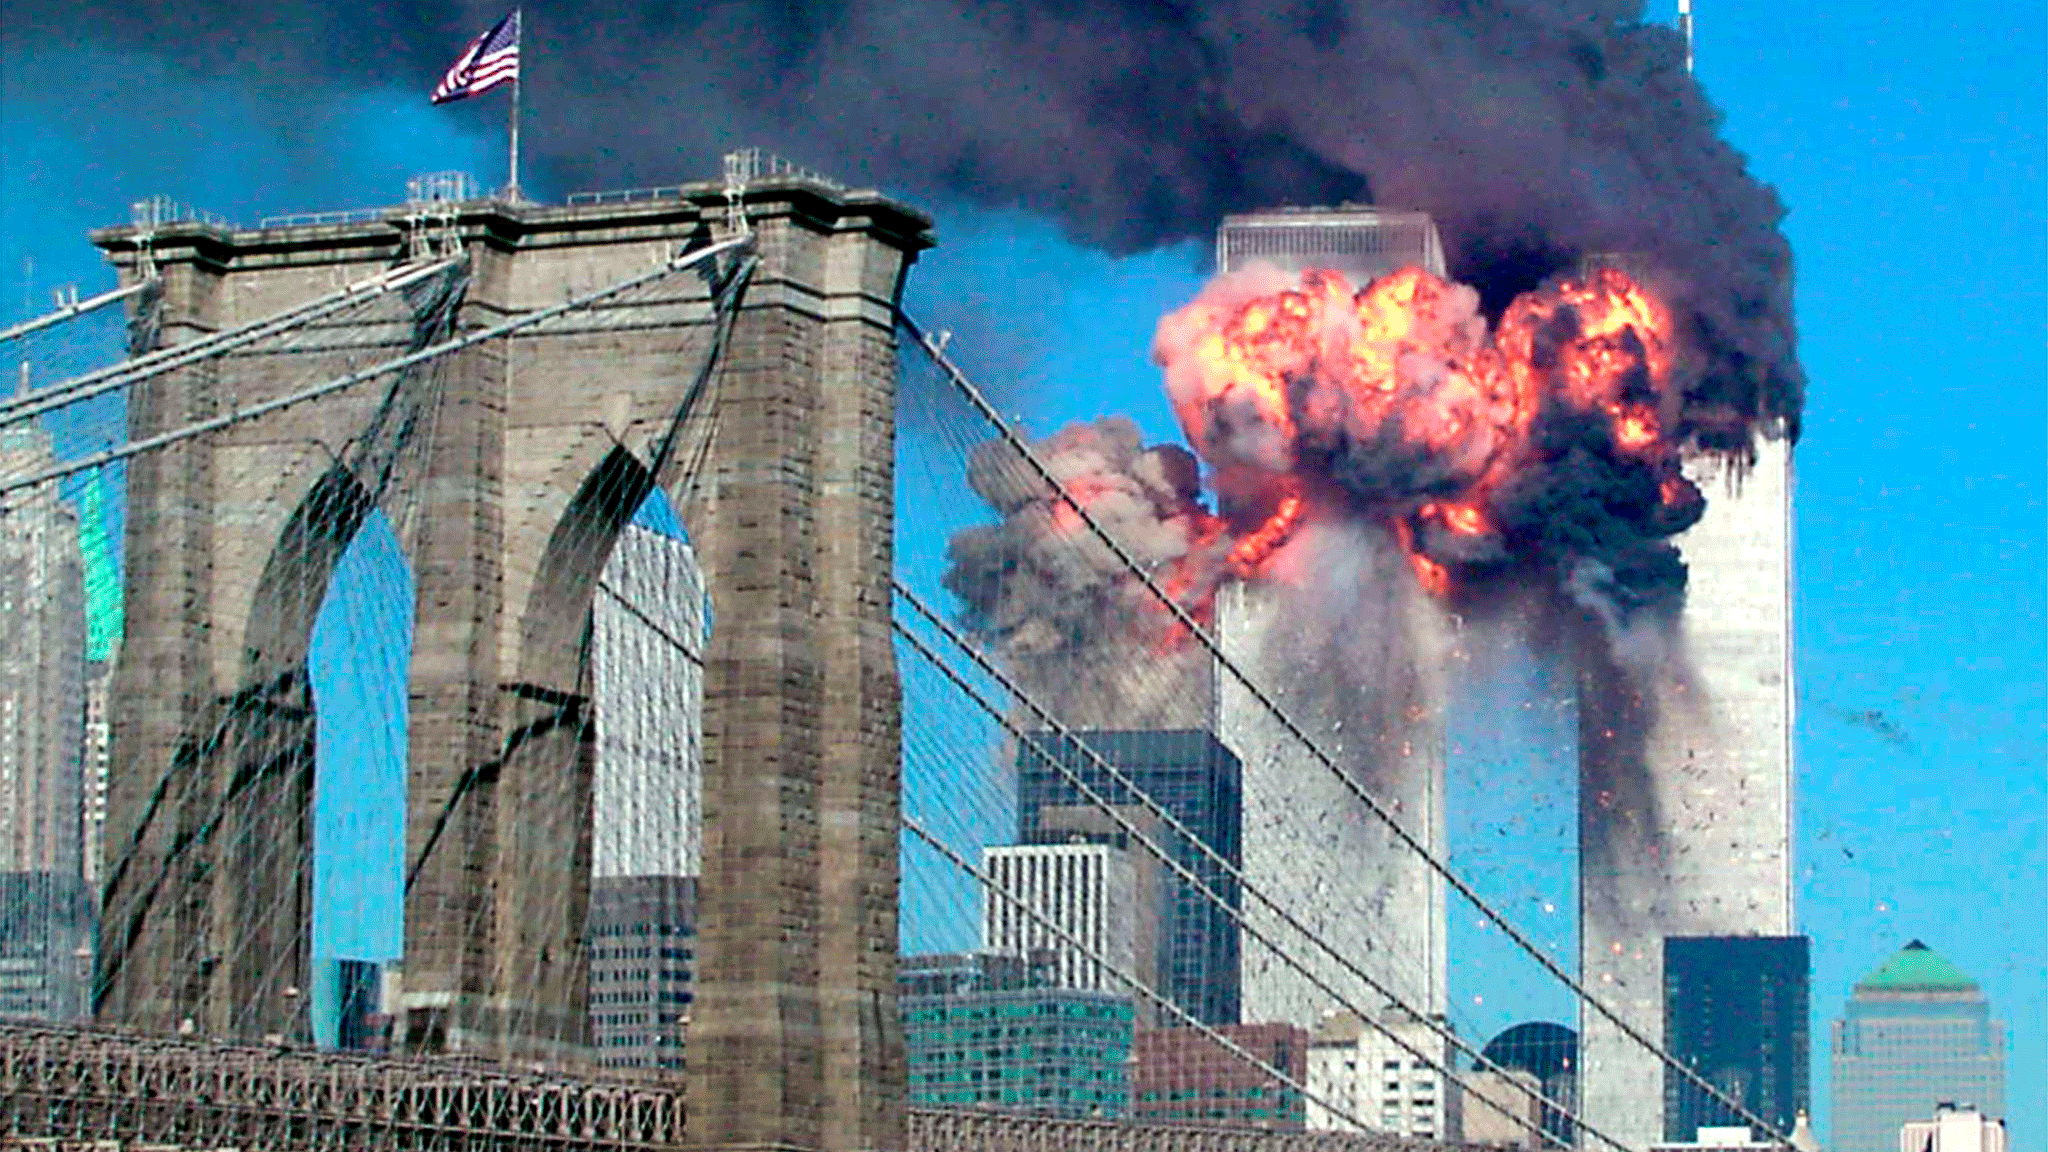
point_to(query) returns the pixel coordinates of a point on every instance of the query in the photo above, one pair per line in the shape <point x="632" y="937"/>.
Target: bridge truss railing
<point x="75" y="1086"/>
<point x="79" y="1084"/>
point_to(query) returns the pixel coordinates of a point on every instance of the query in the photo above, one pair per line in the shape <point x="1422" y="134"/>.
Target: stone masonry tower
<point x="507" y="469"/>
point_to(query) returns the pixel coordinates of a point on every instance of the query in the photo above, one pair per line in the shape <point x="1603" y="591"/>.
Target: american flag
<point x="490" y="60"/>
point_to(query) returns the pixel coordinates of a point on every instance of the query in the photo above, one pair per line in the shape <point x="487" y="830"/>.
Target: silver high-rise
<point x="1685" y="782"/>
<point x="1308" y="842"/>
<point x="45" y="908"/>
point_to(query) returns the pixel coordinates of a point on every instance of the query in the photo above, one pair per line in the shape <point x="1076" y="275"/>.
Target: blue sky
<point x="1907" y="141"/>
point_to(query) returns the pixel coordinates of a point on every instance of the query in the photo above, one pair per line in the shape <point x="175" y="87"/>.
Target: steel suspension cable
<point x="1095" y="955"/>
<point x="387" y="368"/>
<point x="936" y="352"/>
<point x="74" y="308"/>
<point x="1187" y="875"/>
<point x="116" y="376"/>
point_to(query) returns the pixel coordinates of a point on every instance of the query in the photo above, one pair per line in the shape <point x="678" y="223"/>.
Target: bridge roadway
<point x="72" y="1089"/>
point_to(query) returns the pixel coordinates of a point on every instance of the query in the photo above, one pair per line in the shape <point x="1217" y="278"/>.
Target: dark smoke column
<point x="1685" y="786"/>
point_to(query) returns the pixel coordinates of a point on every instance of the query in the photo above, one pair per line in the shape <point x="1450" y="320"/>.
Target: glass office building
<point x="1916" y="1032"/>
<point x="1735" y="1011"/>
<point x="1197" y="780"/>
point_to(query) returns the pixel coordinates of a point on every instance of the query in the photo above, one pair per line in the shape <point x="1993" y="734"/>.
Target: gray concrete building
<point x="42" y="670"/>
<point x="1916" y="1032"/>
<point x="46" y="905"/>
<point x="510" y="466"/>
<point x="1369" y="1069"/>
<point x="643" y="936"/>
<point x="1088" y="891"/>
<point x="1685" y="781"/>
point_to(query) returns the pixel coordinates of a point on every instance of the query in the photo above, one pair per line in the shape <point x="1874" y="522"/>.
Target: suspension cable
<point x="387" y="368"/>
<point x="1187" y="875"/>
<point x="936" y="352"/>
<point x="73" y="308"/>
<point x="115" y="376"/>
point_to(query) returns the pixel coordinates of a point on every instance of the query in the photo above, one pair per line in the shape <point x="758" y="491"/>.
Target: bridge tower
<point x="508" y="471"/>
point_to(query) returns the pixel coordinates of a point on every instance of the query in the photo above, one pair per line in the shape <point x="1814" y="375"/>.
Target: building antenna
<point x="1685" y="30"/>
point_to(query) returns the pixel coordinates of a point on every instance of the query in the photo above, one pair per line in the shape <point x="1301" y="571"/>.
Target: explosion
<point x="1540" y="445"/>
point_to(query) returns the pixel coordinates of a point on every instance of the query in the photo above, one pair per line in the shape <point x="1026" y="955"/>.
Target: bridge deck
<point x="66" y="1089"/>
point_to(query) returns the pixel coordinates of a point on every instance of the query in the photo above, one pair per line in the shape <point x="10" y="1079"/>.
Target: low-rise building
<point x="1184" y="1074"/>
<point x="1954" y="1128"/>
<point x="1383" y="1073"/>
<point x="995" y="1030"/>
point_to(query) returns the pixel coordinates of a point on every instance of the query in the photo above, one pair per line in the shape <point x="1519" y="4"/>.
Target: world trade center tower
<point x="1685" y="784"/>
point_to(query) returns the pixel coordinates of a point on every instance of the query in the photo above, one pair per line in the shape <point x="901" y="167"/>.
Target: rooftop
<point x="1917" y="968"/>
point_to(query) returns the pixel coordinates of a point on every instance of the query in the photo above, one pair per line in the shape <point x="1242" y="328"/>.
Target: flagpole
<point x="512" y="190"/>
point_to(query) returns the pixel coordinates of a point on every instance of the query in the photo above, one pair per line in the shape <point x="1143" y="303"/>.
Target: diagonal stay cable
<point x="1102" y="962"/>
<point x="388" y="367"/>
<point x="116" y="376"/>
<point x="936" y="352"/>
<point x="75" y="308"/>
<point x="986" y="666"/>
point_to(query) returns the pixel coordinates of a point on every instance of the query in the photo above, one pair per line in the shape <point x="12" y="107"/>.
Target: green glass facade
<point x="1055" y="1051"/>
<point x="102" y="575"/>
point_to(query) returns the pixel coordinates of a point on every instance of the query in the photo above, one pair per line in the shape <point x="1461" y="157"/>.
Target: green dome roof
<point x="1917" y="968"/>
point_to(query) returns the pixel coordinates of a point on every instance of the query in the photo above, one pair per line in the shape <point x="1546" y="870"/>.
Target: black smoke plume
<point x="1535" y="131"/>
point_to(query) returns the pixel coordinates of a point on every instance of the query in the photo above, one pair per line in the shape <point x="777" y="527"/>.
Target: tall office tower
<point x="102" y="648"/>
<point x="1685" y="781"/>
<point x="1090" y="892"/>
<point x="643" y="932"/>
<point x="1197" y="781"/>
<point x="647" y="641"/>
<point x="1370" y="1070"/>
<point x="42" y="671"/>
<point x="347" y="1009"/>
<point x="46" y="934"/>
<point x="1915" y="1032"/>
<point x="46" y="910"/>
<point x="1370" y="692"/>
<point x="1954" y="1128"/>
<point x="1735" y="1012"/>
<point x="1182" y="1075"/>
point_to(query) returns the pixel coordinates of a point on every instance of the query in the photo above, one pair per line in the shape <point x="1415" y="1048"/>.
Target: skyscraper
<point x="1372" y="696"/>
<point x="1685" y="779"/>
<point x="46" y="910"/>
<point x="643" y="933"/>
<point x="102" y="648"/>
<point x="42" y="671"/>
<point x="1197" y="780"/>
<point x="1915" y="1033"/>
<point x="647" y="634"/>
<point x="1735" y="1012"/>
<point x="1090" y="892"/>
<point x="647" y="626"/>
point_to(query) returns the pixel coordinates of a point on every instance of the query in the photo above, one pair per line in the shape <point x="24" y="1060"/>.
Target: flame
<point x="1261" y="385"/>
<point x="1251" y="552"/>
